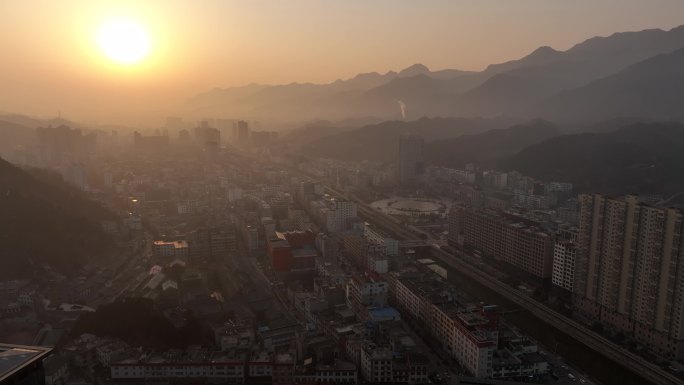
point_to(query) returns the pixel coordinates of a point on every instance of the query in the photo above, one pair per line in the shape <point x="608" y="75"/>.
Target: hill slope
<point x="12" y="135"/>
<point x="486" y="148"/>
<point x="641" y="158"/>
<point x="45" y="221"/>
<point x="379" y="142"/>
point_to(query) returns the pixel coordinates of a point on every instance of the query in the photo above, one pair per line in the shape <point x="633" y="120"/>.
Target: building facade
<point x="410" y="159"/>
<point x="564" y="255"/>
<point x="511" y="240"/>
<point x="628" y="271"/>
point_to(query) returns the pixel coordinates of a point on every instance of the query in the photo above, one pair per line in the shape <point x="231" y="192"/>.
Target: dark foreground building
<point x="22" y="365"/>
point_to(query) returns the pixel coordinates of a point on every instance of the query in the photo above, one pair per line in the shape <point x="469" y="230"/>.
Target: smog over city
<point x="342" y="192"/>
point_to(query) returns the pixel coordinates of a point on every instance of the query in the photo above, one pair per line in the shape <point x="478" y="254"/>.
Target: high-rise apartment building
<point x="208" y="138"/>
<point x="410" y="158"/>
<point x="455" y="223"/>
<point x="628" y="270"/>
<point x="62" y="143"/>
<point x="241" y="132"/>
<point x="564" y="255"/>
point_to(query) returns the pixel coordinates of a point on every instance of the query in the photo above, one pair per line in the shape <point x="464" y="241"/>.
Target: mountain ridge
<point x="641" y="158"/>
<point x="509" y="88"/>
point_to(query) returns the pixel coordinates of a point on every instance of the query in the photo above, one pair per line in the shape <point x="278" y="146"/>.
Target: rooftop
<point x="176" y="244"/>
<point x="229" y="356"/>
<point x="338" y="365"/>
<point x="15" y="357"/>
<point x="384" y="312"/>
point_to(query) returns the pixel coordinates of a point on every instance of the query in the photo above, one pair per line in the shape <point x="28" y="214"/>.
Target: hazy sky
<point x="50" y="62"/>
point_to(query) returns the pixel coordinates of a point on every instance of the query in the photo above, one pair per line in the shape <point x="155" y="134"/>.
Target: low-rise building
<point x="368" y="290"/>
<point x="376" y="364"/>
<point x="226" y="367"/>
<point x="468" y="334"/>
<point x="170" y="250"/>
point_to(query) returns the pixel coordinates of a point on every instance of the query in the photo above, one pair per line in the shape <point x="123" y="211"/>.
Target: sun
<point x="124" y="41"/>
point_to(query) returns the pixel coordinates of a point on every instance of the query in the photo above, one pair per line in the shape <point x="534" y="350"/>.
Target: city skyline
<point x="345" y="193"/>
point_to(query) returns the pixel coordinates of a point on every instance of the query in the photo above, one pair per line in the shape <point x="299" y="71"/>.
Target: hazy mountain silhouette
<point x="510" y="88"/>
<point x="487" y="148"/>
<point x="546" y="72"/>
<point x="651" y="89"/>
<point x="13" y="135"/>
<point x="379" y="141"/>
<point x="611" y="125"/>
<point x="540" y="56"/>
<point x="43" y="220"/>
<point x="338" y="100"/>
<point x="33" y="122"/>
<point x="640" y="158"/>
<point x="416" y="69"/>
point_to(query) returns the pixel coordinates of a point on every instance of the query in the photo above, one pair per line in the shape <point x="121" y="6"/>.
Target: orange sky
<point x="50" y="62"/>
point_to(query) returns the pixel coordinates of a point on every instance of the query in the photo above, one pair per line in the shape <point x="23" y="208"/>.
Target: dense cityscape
<point x="229" y="247"/>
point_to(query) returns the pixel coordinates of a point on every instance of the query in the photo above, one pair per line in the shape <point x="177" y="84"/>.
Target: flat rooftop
<point x="15" y="357"/>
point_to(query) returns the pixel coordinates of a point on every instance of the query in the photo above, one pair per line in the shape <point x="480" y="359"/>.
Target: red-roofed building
<point x="292" y="251"/>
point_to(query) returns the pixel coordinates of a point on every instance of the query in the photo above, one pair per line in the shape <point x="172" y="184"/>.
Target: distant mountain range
<point x="541" y="84"/>
<point x="617" y="156"/>
<point x="45" y="221"/>
<point x="378" y="142"/>
<point x="370" y="94"/>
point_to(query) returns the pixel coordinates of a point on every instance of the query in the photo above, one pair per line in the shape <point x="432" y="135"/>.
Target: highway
<point x="594" y="341"/>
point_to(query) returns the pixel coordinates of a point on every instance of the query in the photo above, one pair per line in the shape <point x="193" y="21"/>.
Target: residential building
<point x="512" y="239"/>
<point x="376" y="364"/>
<point x="564" y="255"/>
<point x="375" y="235"/>
<point x="292" y="251"/>
<point x="225" y="367"/>
<point x="468" y="334"/>
<point x="455" y="223"/>
<point x="627" y="270"/>
<point x="339" y="214"/>
<point x="368" y="290"/>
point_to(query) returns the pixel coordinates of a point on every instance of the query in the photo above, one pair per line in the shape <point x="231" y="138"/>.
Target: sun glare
<point x="124" y="41"/>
